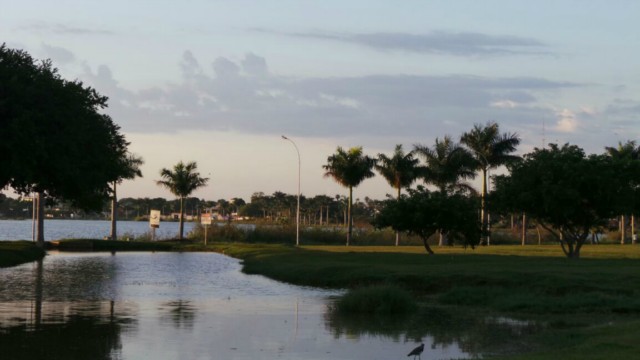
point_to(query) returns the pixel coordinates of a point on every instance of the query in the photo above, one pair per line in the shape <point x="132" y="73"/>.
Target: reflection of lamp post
<point x="298" y="208"/>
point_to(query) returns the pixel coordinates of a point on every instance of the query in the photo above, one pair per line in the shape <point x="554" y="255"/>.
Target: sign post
<point x="205" y="220"/>
<point x="154" y="223"/>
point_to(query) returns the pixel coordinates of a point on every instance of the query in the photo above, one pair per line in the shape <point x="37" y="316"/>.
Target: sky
<point x="219" y="82"/>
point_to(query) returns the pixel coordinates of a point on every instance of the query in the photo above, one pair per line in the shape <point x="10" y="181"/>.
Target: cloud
<point x="567" y="121"/>
<point x="63" y="29"/>
<point x="436" y="42"/>
<point x="58" y="55"/>
<point x="243" y="96"/>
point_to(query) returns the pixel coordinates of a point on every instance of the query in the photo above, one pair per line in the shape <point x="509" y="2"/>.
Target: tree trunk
<point x="483" y="210"/>
<point x="181" y="217"/>
<point x="397" y="232"/>
<point x="426" y="245"/>
<point x="622" y="229"/>
<point x="114" y="214"/>
<point x="40" y="220"/>
<point x="524" y="229"/>
<point x="633" y="229"/>
<point x="349" y="220"/>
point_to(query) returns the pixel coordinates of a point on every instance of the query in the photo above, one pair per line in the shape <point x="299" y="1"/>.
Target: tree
<point x="400" y="171"/>
<point x="73" y="152"/>
<point x="447" y="165"/>
<point x="568" y="193"/>
<point x="627" y="152"/>
<point x="181" y="182"/>
<point x="490" y="150"/>
<point x="132" y="167"/>
<point x="349" y="169"/>
<point x="423" y="213"/>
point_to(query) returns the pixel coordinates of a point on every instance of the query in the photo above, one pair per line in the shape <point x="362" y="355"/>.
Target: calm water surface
<point x="86" y="229"/>
<point x="196" y="306"/>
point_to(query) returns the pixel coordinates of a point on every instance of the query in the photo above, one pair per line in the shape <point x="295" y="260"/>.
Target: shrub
<point x="378" y="299"/>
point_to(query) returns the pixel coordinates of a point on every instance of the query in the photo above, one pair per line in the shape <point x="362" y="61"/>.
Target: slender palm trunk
<point x="622" y="229"/>
<point x="349" y="219"/>
<point x="483" y="210"/>
<point x="633" y="229"/>
<point x="40" y="220"/>
<point x="397" y="232"/>
<point x="114" y="214"/>
<point x="181" y="217"/>
<point x="524" y="229"/>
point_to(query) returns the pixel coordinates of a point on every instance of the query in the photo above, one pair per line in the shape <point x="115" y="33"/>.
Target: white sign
<point x="205" y="219"/>
<point x="154" y="219"/>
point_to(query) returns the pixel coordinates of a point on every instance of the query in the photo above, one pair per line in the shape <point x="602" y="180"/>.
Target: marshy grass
<point x="376" y="299"/>
<point x="18" y="252"/>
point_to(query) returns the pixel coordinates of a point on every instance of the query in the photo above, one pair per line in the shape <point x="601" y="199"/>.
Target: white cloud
<point x="567" y="121"/>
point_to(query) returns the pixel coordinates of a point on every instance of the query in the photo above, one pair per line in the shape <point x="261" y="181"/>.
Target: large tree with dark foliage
<point x="569" y="193"/>
<point x="422" y="213"/>
<point x="54" y="141"/>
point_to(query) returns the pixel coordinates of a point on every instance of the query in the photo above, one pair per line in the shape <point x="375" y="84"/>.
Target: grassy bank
<point x="18" y="252"/>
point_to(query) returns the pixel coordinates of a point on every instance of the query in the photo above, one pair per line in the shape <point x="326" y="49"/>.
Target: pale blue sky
<point x="218" y="82"/>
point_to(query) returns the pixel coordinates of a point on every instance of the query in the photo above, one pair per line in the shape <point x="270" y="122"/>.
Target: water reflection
<point x="475" y="334"/>
<point x="33" y="329"/>
<point x="200" y="306"/>
<point x="180" y="313"/>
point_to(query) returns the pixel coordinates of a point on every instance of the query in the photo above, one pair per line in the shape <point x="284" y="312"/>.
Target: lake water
<point x="198" y="306"/>
<point x="86" y="229"/>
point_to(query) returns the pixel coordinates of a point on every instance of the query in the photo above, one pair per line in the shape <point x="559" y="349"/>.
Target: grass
<point x="18" y="252"/>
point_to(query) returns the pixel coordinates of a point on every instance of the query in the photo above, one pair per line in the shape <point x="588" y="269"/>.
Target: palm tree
<point x="182" y="181"/>
<point x="132" y="170"/>
<point x="400" y="171"/>
<point x="349" y="169"/>
<point x="447" y="166"/>
<point x="630" y="152"/>
<point x="490" y="150"/>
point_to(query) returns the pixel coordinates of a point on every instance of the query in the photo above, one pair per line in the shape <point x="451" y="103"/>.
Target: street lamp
<point x="298" y="209"/>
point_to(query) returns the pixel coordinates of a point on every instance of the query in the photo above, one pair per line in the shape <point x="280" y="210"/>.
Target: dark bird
<point x="417" y="351"/>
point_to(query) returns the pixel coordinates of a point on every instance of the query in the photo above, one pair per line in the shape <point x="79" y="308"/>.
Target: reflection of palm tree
<point x="182" y="181"/>
<point x="181" y="313"/>
<point x="400" y="171"/>
<point x="132" y="171"/>
<point x="490" y="150"/>
<point x="349" y="169"/>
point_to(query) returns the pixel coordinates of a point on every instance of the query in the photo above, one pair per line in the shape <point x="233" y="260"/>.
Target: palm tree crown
<point x="447" y="166"/>
<point x="627" y="150"/>
<point x="400" y="170"/>
<point x="349" y="169"/>
<point x="181" y="182"/>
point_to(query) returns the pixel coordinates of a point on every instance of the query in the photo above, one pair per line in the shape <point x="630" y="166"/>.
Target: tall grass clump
<point x="377" y="299"/>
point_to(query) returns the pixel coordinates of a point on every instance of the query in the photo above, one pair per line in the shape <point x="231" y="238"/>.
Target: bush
<point x="378" y="299"/>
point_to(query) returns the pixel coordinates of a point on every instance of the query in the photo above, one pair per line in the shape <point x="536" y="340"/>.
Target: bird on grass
<point x="417" y="351"/>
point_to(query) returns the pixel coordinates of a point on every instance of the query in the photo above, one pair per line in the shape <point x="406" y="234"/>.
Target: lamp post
<point x="298" y="208"/>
